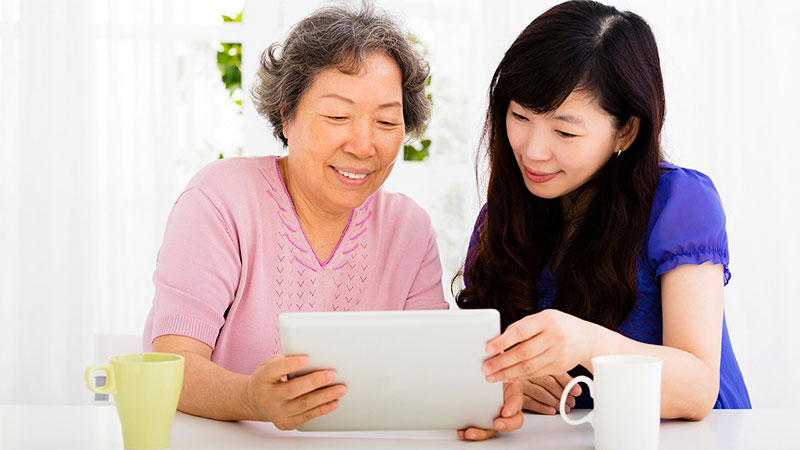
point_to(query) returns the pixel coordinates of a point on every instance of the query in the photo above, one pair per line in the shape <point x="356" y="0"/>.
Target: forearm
<point x="689" y="387"/>
<point x="211" y="391"/>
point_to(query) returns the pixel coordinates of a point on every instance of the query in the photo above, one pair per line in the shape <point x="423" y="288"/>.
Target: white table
<point x="97" y="427"/>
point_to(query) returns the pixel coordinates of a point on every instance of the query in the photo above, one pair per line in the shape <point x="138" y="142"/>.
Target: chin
<point x="547" y="194"/>
<point x="352" y="200"/>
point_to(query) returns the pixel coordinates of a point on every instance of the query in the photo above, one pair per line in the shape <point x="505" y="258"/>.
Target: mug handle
<point x="588" y="417"/>
<point x="110" y="387"/>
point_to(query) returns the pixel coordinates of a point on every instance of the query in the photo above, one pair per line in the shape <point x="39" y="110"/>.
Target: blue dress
<point x="687" y="226"/>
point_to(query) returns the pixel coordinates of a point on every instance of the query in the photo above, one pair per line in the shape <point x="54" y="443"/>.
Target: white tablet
<point x="404" y="370"/>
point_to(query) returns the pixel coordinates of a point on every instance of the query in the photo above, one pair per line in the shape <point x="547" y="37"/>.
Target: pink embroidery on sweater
<point x="304" y="264"/>
<point x="295" y="245"/>
<point x="359" y="234"/>
<point x="287" y="226"/>
<point x="276" y="202"/>
<point x="365" y="219"/>
<point x="349" y="251"/>
<point x="265" y="179"/>
<point x="366" y="204"/>
<point x="339" y="267"/>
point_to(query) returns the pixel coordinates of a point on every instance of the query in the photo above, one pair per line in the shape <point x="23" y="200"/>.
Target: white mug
<point x="627" y="401"/>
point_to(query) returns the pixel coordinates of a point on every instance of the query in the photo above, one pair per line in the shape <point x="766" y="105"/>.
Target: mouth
<point x="538" y="176"/>
<point x="352" y="175"/>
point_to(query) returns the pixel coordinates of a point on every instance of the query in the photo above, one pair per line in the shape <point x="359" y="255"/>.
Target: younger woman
<point x="590" y="243"/>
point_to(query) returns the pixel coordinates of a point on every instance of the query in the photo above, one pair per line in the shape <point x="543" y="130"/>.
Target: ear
<point x="284" y="122"/>
<point x="627" y="134"/>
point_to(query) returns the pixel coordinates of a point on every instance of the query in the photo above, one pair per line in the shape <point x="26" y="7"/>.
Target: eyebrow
<point x="569" y="118"/>
<point x="350" y="101"/>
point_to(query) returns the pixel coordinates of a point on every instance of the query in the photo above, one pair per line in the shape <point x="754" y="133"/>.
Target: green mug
<point x="146" y="389"/>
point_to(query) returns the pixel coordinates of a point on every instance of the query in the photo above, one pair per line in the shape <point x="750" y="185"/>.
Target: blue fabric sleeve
<point x="687" y="223"/>
<point x="474" y="240"/>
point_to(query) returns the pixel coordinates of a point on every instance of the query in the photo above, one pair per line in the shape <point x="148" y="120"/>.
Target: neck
<point x="320" y="225"/>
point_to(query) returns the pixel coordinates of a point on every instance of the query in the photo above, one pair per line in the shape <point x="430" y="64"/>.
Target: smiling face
<point x="559" y="151"/>
<point x="345" y="134"/>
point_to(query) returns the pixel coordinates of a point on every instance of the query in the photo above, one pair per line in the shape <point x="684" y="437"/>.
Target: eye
<point x="337" y="118"/>
<point x="519" y="117"/>
<point x="565" y="134"/>
<point x="386" y="123"/>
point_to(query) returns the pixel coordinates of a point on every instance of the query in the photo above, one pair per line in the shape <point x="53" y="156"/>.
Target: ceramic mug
<point x="627" y="402"/>
<point x="146" y="389"/>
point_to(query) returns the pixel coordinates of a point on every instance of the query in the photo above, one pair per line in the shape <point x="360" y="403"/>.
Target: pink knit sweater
<point x="234" y="257"/>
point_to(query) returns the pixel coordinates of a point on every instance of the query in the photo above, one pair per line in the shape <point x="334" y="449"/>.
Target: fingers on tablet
<point x="307" y="383"/>
<point x="322" y="401"/>
<point x="314" y="413"/>
<point x="476" y="434"/>
<point x="509" y="423"/>
<point x="279" y="367"/>
<point x="512" y="398"/>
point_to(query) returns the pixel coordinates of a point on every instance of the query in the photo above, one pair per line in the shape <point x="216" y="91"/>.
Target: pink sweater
<point x="234" y="257"/>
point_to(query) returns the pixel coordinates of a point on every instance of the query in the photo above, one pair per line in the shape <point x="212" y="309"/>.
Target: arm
<point x="208" y="389"/>
<point x="211" y="391"/>
<point x="692" y="300"/>
<point x="551" y="342"/>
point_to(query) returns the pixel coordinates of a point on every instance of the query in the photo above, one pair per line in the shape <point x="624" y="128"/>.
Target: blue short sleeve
<point x="474" y="242"/>
<point x="687" y="223"/>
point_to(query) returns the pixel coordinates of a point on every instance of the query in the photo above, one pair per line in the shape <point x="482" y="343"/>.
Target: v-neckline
<point x="300" y="225"/>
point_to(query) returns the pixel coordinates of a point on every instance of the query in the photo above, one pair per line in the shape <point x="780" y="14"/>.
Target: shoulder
<point x="225" y="174"/>
<point x="685" y="187"/>
<point x="687" y="222"/>
<point x="234" y="187"/>
<point x="399" y="210"/>
<point x="686" y="198"/>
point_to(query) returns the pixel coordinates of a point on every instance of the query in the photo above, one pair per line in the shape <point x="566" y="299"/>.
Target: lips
<point x="350" y="175"/>
<point x="539" y="176"/>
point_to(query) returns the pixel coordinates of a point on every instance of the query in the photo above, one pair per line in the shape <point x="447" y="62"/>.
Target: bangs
<point x="550" y="59"/>
<point x="540" y="81"/>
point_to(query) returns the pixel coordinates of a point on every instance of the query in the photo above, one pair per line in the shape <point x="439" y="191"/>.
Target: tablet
<point x="404" y="370"/>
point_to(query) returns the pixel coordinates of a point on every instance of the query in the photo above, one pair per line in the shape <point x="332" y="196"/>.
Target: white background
<point x="109" y="106"/>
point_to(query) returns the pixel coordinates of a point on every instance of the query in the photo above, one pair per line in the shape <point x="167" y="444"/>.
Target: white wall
<point x="84" y="201"/>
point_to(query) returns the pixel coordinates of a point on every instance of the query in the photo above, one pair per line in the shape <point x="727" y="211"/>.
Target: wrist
<point x="250" y="401"/>
<point x="594" y="336"/>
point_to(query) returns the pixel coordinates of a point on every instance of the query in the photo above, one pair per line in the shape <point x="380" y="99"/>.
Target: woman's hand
<point x="510" y="417"/>
<point x="546" y="343"/>
<point x="291" y="403"/>
<point x="543" y="394"/>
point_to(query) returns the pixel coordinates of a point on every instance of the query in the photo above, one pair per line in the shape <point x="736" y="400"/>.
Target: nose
<point x="536" y="147"/>
<point x="361" y="141"/>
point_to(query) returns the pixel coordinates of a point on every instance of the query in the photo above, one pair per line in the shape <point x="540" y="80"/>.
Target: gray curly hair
<point x="341" y="37"/>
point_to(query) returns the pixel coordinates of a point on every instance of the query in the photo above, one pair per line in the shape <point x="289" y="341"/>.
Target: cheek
<point x="322" y="140"/>
<point x="517" y="137"/>
<point x="388" y="144"/>
<point x="584" y="160"/>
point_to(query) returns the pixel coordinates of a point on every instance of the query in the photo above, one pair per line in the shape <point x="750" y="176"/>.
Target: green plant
<point x="418" y="151"/>
<point x="229" y="62"/>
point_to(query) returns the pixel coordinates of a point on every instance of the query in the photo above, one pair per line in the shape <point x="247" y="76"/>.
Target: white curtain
<point x="108" y="106"/>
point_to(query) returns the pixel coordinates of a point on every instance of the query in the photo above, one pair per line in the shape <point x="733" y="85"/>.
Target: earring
<point x="619" y="152"/>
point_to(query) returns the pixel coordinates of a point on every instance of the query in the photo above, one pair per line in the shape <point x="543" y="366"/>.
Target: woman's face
<point x="559" y="151"/>
<point x="346" y="133"/>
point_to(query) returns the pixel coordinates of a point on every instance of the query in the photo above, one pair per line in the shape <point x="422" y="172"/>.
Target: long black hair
<point x="611" y="55"/>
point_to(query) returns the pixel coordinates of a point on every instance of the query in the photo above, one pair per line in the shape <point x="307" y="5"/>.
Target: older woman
<point x="253" y="237"/>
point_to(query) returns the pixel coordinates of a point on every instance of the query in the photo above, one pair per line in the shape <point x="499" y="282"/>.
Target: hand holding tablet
<point x="290" y="403"/>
